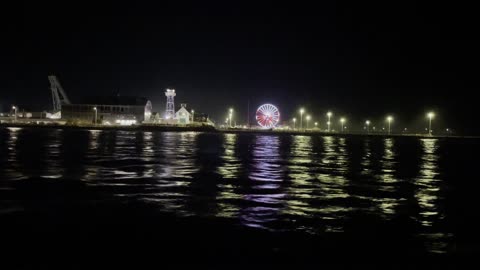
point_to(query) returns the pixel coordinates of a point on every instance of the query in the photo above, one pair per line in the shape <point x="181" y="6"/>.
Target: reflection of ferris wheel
<point x="268" y="116"/>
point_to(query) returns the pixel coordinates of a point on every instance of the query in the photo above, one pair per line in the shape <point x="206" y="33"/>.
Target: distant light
<point x="316" y="123"/>
<point x="367" y="122"/>
<point x="302" y="110"/>
<point x="294" y="119"/>
<point x="431" y="115"/>
<point x="308" y="117"/>
<point x="328" y="122"/>
<point x="342" y="120"/>
<point x="231" y="110"/>
<point x="389" y="118"/>
<point x="94" y="108"/>
<point x="14" y="108"/>
<point x="329" y="114"/>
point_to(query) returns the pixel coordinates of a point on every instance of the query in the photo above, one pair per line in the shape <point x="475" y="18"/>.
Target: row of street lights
<point x="389" y="120"/>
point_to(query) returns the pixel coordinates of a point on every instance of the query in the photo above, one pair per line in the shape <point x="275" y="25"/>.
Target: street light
<point x="193" y="116"/>
<point x="14" y="108"/>
<point x="95" y="109"/>
<point x="316" y="124"/>
<point x="342" y="121"/>
<point x="294" y="121"/>
<point x="231" y="116"/>
<point x="368" y="125"/>
<point x="389" y="120"/>
<point x="430" y="116"/>
<point x="329" y="114"/>
<point x="301" y="117"/>
<point x="308" y="119"/>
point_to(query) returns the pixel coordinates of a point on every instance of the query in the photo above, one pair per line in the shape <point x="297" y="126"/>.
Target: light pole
<point x="95" y="109"/>
<point x="342" y="121"/>
<point x="329" y="114"/>
<point x="430" y="116"/>
<point x="389" y="120"/>
<point x="14" y="108"/>
<point x="193" y="116"/>
<point x="294" y="121"/>
<point x="308" y="119"/>
<point x="316" y="124"/>
<point x="367" y="123"/>
<point x="301" y="117"/>
<point x="231" y="116"/>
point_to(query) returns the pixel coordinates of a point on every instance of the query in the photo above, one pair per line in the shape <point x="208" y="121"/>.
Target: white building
<point x="182" y="116"/>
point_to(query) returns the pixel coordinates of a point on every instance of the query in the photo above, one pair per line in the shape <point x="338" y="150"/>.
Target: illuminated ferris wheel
<point x="267" y="116"/>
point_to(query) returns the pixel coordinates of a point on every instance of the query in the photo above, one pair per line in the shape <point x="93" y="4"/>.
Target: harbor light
<point x="367" y="123"/>
<point x="342" y="121"/>
<point x="308" y="119"/>
<point x="389" y="120"/>
<point x="430" y="116"/>
<point x="329" y="114"/>
<point x="96" y="113"/>
<point x="294" y="121"/>
<point x="14" y="108"/>
<point x="302" y="110"/>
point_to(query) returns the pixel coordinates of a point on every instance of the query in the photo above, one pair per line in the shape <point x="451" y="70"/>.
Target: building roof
<point x="116" y="100"/>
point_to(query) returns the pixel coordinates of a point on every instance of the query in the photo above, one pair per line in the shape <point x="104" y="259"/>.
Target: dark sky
<point x="359" y="60"/>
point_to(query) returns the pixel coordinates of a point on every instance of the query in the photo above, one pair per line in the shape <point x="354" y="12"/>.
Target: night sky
<point x="358" y="60"/>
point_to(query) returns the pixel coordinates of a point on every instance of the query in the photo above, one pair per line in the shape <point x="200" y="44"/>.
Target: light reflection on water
<point x="309" y="183"/>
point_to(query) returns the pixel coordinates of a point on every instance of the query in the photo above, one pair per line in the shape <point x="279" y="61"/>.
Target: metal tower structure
<point x="170" y="111"/>
<point x="58" y="94"/>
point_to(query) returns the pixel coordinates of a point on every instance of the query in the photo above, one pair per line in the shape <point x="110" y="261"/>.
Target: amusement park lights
<point x="301" y="117"/>
<point x="389" y="120"/>
<point x="430" y="116"/>
<point x="329" y="114"/>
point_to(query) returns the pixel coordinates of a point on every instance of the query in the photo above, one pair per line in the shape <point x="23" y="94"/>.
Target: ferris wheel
<point x="267" y="116"/>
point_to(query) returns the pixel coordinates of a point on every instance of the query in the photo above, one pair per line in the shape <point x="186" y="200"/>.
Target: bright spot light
<point x="389" y="118"/>
<point x="329" y="114"/>
<point x="431" y="115"/>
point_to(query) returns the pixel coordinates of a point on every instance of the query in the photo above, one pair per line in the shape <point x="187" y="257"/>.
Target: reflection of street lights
<point x="430" y="116"/>
<point x="329" y="114"/>
<point x="301" y="117"/>
<point x="308" y="119"/>
<point x="294" y="121"/>
<point x="389" y="120"/>
<point x="342" y="121"/>
<point x="14" y="108"/>
<point x="368" y="125"/>
<point x="95" y="109"/>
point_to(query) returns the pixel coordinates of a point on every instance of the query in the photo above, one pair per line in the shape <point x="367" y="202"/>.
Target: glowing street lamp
<point x="294" y="121"/>
<point x="231" y="116"/>
<point x="316" y="124"/>
<point x="14" y="108"/>
<point x="389" y="120"/>
<point x="430" y="116"/>
<point x="301" y="117"/>
<point x="329" y="114"/>
<point x="308" y="119"/>
<point x="342" y="121"/>
<point x="95" y="110"/>
<point x="367" y="123"/>
<point x="193" y="116"/>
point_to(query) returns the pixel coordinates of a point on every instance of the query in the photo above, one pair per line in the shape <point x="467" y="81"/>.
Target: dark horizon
<point x="360" y="61"/>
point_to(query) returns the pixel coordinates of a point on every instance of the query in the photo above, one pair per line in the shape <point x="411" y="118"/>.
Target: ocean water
<point x="414" y="196"/>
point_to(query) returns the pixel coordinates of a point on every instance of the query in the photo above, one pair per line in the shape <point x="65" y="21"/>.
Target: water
<point x="419" y="193"/>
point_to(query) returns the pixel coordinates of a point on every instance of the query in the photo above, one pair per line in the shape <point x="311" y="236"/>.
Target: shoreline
<point x="167" y="128"/>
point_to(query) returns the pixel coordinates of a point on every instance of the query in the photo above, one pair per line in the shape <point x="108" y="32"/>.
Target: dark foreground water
<point x="209" y="198"/>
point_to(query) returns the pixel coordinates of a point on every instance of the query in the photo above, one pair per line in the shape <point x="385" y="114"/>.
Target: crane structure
<point x="58" y="94"/>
